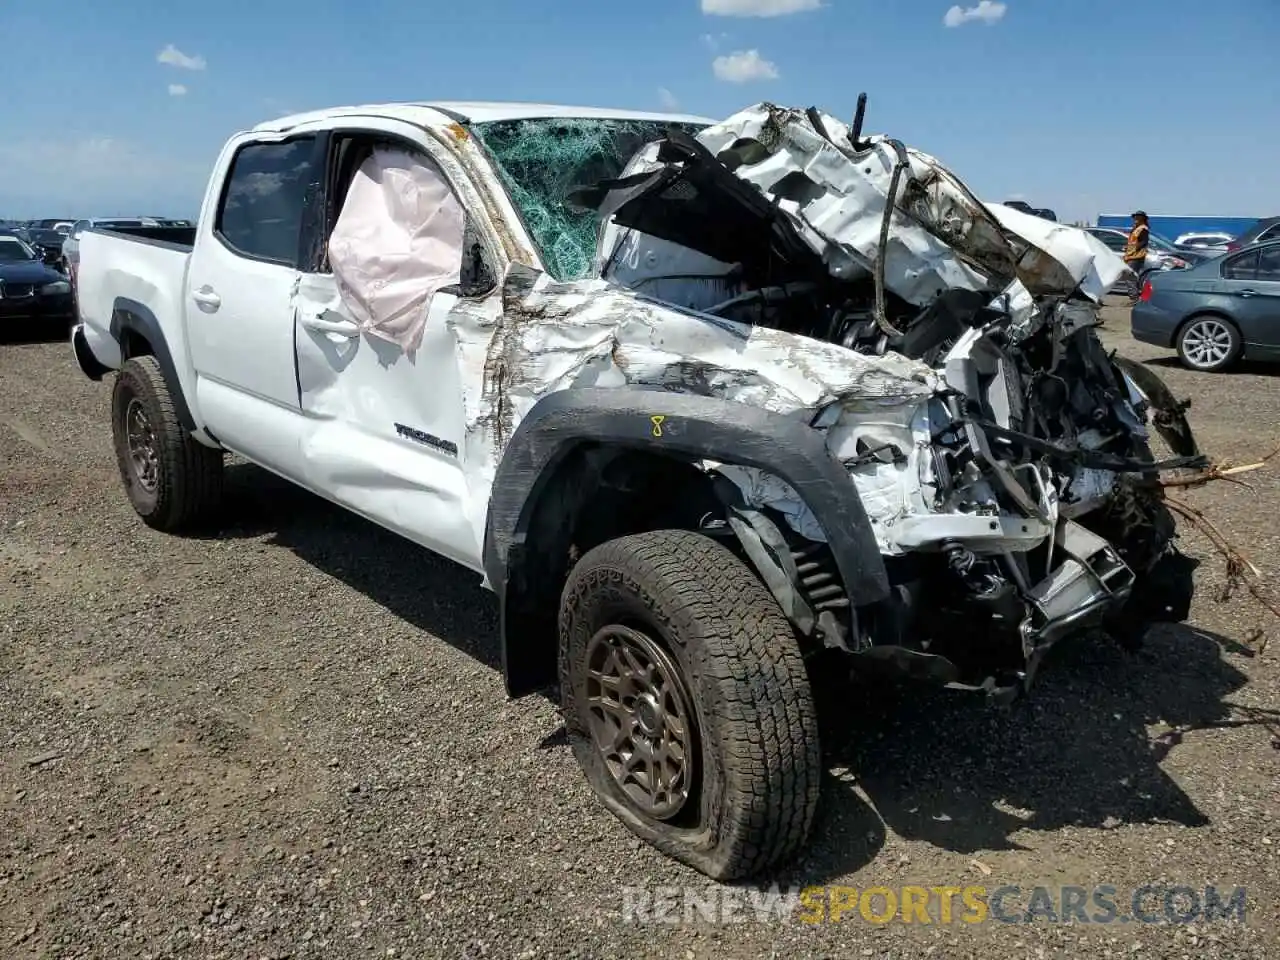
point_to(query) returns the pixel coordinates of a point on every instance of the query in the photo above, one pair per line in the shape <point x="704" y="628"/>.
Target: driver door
<point x="385" y="425"/>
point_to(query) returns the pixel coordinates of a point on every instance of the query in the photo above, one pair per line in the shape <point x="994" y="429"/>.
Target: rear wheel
<point x="1209" y="343"/>
<point x="173" y="480"/>
<point x="687" y="701"/>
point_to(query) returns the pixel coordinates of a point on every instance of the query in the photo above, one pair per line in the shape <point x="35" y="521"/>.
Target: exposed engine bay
<point x="1017" y="502"/>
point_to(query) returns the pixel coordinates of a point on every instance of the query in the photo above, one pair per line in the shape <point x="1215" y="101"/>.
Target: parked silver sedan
<point x="71" y="245"/>
<point x="1216" y="312"/>
<point x="1161" y="254"/>
<point x="1212" y="243"/>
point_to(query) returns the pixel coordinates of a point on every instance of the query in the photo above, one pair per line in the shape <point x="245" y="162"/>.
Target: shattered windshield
<point x="541" y="161"/>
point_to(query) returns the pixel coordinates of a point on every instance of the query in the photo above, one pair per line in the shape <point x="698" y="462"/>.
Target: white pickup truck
<point x="710" y="406"/>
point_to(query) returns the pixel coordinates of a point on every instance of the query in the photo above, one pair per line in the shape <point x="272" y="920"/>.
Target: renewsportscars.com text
<point x="970" y="904"/>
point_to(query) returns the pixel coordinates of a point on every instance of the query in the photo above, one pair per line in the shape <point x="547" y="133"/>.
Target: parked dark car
<point x="29" y="288"/>
<point x="48" y="242"/>
<point x="1022" y="206"/>
<point x="1263" y="231"/>
<point x="62" y="225"/>
<point x="1216" y="312"/>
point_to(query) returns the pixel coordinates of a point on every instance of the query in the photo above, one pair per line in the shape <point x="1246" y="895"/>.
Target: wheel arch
<point x="89" y="364"/>
<point x="1206" y="312"/>
<point x="551" y="472"/>
<point x="137" y="330"/>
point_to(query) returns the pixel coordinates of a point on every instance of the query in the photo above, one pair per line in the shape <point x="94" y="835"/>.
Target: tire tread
<point x="191" y="474"/>
<point x="764" y="709"/>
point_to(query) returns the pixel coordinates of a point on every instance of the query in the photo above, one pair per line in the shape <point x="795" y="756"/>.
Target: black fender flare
<point x="129" y="315"/>
<point x="681" y="426"/>
<point x="89" y="365"/>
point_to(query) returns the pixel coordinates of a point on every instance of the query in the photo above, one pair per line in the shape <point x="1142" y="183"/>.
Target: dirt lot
<point x="291" y="739"/>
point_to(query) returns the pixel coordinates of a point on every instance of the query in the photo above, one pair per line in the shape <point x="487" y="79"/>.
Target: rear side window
<point x="1269" y="264"/>
<point x="262" y="203"/>
<point x="1271" y="233"/>
<point x="1112" y="240"/>
<point x="1243" y="267"/>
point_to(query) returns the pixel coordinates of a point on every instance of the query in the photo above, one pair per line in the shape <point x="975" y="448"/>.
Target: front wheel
<point x="687" y="702"/>
<point x="173" y="480"/>
<point x="1209" y="344"/>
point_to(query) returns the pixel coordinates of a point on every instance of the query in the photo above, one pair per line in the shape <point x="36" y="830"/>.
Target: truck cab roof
<point x="443" y="112"/>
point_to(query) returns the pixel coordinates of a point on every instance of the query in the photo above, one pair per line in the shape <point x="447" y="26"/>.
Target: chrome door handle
<point x="207" y="297"/>
<point x="1247" y="293"/>
<point x="343" y="328"/>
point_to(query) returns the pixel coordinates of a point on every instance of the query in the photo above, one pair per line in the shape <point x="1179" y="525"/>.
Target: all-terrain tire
<point x="184" y="485"/>
<point x="756" y="750"/>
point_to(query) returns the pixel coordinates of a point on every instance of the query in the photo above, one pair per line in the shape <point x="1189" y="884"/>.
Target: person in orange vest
<point x="1135" y="251"/>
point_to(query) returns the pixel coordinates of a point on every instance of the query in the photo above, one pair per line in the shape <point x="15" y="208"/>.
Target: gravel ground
<point x="291" y="739"/>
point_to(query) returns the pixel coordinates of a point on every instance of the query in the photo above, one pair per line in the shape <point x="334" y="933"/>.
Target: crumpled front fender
<point x="681" y="426"/>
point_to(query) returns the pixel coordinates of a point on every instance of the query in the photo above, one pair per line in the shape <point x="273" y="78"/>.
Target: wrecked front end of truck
<point x="946" y="349"/>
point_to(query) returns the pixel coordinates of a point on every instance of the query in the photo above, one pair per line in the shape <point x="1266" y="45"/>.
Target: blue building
<point x="1173" y="227"/>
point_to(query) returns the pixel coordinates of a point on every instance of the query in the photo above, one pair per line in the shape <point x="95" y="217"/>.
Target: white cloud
<point x="668" y="99"/>
<point x="742" y="66"/>
<point x="100" y="175"/>
<point x="177" y="90"/>
<point x="988" y="11"/>
<point x="174" y="57"/>
<point x="98" y="158"/>
<point x="713" y="41"/>
<point x="757" y="8"/>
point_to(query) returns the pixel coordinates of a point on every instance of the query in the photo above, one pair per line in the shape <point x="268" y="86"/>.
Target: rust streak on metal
<point x="473" y="162"/>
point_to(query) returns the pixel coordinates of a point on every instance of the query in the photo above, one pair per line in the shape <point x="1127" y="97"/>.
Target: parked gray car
<point x="1216" y="312"/>
<point x="1266" y="229"/>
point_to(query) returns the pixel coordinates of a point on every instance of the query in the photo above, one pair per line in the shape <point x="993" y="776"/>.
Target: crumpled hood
<point x="1089" y="261"/>
<point x="551" y="335"/>
<point x="939" y="237"/>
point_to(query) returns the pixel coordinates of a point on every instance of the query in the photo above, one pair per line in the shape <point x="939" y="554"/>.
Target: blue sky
<point x="1075" y="104"/>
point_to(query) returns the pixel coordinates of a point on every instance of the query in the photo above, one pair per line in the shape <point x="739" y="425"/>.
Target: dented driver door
<point x="378" y="373"/>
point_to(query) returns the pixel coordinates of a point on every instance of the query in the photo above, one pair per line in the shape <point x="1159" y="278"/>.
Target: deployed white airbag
<point x="397" y="241"/>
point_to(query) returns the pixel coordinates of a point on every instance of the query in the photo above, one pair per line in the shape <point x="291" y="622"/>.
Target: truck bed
<point x="182" y="238"/>
<point x="135" y="270"/>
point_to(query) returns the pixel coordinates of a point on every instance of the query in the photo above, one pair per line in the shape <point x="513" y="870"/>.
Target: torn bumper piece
<point x="1090" y="580"/>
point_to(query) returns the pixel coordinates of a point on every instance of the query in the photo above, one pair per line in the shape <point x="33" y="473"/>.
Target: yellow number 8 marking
<point x="656" y="420"/>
